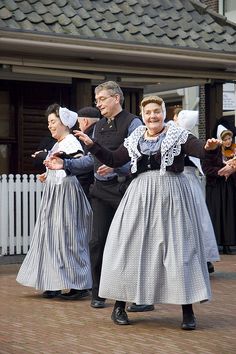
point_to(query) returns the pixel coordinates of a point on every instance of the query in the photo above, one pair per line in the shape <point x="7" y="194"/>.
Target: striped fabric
<point x="58" y="257"/>
<point x="154" y="251"/>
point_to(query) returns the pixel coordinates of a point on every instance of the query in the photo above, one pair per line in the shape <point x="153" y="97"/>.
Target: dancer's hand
<point x="211" y="144"/>
<point x="83" y="137"/>
<point x="54" y="163"/>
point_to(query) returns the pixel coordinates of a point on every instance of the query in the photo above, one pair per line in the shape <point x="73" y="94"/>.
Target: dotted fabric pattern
<point x="206" y="227"/>
<point x="154" y="251"/>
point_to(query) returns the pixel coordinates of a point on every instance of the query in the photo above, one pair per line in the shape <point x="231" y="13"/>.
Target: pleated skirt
<point x="206" y="227"/>
<point x="221" y="201"/>
<point x="58" y="257"/>
<point x="154" y="251"/>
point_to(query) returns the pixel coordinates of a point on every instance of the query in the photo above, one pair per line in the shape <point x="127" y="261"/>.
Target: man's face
<point x="81" y="122"/>
<point x="107" y="103"/>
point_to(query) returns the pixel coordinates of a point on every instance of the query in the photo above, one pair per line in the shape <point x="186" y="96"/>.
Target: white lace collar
<point x="170" y="146"/>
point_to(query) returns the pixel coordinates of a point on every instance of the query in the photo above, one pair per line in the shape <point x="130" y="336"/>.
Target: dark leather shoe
<point x="210" y="267"/>
<point x="189" y="324"/>
<point x="74" y="294"/>
<point x="140" y="308"/>
<point x="50" y="294"/>
<point x="97" y="304"/>
<point x="119" y="316"/>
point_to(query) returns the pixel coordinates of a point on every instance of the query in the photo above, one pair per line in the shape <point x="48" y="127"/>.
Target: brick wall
<point x="202" y="113"/>
<point x="212" y="3"/>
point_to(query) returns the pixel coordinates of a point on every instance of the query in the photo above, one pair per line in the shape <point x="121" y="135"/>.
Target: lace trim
<point x="131" y="144"/>
<point x="170" y="146"/>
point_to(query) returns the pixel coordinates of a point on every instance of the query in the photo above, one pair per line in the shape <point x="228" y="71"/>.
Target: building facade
<point x="58" y="51"/>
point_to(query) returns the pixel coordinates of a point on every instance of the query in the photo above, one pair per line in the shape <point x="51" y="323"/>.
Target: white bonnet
<point x="187" y="119"/>
<point x="67" y="117"/>
<point x="220" y="130"/>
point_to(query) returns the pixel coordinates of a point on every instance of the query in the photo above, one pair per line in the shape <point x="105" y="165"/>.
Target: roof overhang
<point x="130" y="64"/>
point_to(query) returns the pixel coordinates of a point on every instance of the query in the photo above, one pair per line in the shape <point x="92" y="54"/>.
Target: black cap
<point x="89" y="112"/>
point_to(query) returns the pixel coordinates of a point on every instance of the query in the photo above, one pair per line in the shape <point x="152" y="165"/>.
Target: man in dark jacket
<point x="109" y="184"/>
<point x="87" y="118"/>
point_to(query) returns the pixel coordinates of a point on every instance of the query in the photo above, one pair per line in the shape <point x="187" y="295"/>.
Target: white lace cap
<point x="220" y="130"/>
<point x="67" y="117"/>
<point x="163" y="107"/>
<point x="187" y="119"/>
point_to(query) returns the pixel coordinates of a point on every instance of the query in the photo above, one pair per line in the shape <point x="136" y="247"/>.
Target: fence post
<point x="11" y="214"/>
<point x="25" y="213"/>
<point x="4" y="222"/>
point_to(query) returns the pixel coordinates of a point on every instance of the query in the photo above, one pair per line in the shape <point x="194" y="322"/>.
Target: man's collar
<point x="109" y="120"/>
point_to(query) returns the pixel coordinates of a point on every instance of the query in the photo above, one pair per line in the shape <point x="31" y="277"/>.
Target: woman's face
<point x="227" y="141"/>
<point x="153" y="117"/>
<point x="57" y="129"/>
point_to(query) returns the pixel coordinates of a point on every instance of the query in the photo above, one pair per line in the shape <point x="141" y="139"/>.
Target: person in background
<point x="87" y="118"/>
<point x="228" y="148"/>
<point x="58" y="257"/>
<point x="154" y="251"/>
<point x="109" y="184"/>
<point x="221" y="195"/>
<point x="188" y="119"/>
<point x="224" y="123"/>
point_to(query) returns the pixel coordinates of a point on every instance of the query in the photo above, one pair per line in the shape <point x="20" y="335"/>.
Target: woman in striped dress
<point x="154" y="251"/>
<point x="58" y="257"/>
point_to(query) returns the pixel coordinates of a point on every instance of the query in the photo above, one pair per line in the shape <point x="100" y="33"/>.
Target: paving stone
<point x="31" y="324"/>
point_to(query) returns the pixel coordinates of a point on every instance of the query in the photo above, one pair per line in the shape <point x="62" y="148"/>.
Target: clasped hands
<point x="228" y="169"/>
<point x="54" y="162"/>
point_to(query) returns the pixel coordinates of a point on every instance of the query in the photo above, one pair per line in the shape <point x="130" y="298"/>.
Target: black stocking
<point x="187" y="312"/>
<point x="120" y="304"/>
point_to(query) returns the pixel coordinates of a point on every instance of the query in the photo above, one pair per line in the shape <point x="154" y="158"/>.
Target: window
<point x="7" y="131"/>
<point x="228" y="9"/>
<point x="4" y="158"/>
<point x="4" y="114"/>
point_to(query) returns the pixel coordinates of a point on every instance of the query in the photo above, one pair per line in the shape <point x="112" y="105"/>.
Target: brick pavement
<point x="30" y="324"/>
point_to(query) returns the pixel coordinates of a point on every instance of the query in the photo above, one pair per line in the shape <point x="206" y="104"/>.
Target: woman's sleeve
<point x="194" y="147"/>
<point x="209" y="159"/>
<point x="211" y="165"/>
<point x="110" y="158"/>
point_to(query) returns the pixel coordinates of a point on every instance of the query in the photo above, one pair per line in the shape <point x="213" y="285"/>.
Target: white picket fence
<point x="20" y="197"/>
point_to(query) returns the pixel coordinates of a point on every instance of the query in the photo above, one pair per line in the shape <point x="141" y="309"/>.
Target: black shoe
<point x="119" y="316"/>
<point x="210" y="267"/>
<point x="227" y="250"/>
<point x="189" y="324"/>
<point x="97" y="304"/>
<point x="140" y="308"/>
<point x="74" y="294"/>
<point x="50" y="294"/>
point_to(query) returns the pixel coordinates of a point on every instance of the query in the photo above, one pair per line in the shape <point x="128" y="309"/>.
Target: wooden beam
<point x="213" y="106"/>
<point x="81" y="93"/>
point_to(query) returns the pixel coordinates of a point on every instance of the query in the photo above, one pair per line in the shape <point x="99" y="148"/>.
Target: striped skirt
<point x="154" y="251"/>
<point x="58" y="257"/>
